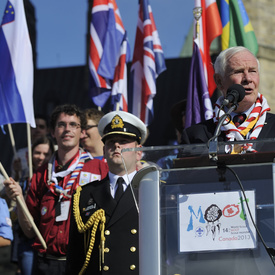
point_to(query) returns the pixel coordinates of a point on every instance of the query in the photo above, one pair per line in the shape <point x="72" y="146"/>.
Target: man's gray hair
<point x="224" y="56"/>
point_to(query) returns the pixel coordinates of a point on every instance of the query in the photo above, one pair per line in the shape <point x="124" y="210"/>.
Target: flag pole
<point x="13" y="147"/>
<point x="197" y="15"/>
<point x="12" y="140"/>
<point x="25" y="210"/>
<point x="29" y="150"/>
<point x="117" y="106"/>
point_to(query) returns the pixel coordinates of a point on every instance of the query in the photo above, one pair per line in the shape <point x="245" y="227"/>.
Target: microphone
<point x="235" y="94"/>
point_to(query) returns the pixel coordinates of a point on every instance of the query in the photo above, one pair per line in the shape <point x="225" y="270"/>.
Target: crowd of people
<point x="80" y="196"/>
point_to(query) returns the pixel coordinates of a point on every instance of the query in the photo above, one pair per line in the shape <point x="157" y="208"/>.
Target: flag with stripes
<point x="210" y="27"/>
<point x="106" y="36"/>
<point x="16" y="69"/>
<point x="119" y="97"/>
<point x="148" y="62"/>
<point x="237" y="28"/>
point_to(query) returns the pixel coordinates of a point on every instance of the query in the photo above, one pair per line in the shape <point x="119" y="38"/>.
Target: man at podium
<point x="250" y="120"/>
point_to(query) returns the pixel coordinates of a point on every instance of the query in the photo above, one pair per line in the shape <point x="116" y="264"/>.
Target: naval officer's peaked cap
<point x="122" y="123"/>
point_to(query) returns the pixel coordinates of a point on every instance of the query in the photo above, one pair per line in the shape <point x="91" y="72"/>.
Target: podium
<point x="194" y="218"/>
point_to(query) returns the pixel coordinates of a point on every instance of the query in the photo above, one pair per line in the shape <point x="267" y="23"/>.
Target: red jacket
<point x="42" y="206"/>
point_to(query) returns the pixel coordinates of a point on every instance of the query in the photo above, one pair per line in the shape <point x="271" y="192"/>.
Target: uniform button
<point x="107" y="232"/>
<point x="134" y="231"/>
<point x="133" y="249"/>
<point x="106" y="250"/>
<point x="132" y="267"/>
<point x="105" y="268"/>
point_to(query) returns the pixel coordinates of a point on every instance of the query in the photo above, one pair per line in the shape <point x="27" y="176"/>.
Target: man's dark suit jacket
<point x="202" y="132"/>
<point x="121" y="232"/>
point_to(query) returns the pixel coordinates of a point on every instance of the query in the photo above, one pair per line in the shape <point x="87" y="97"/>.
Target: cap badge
<point x="117" y="122"/>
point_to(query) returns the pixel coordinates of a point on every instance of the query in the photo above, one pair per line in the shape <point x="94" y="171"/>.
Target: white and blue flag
<point x="16" y="67"/>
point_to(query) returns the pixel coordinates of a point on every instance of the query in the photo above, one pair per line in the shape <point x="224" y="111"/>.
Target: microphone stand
<point x="213" y="142"/>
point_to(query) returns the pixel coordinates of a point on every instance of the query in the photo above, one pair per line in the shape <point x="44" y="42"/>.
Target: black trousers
<point x="47" y="266"/>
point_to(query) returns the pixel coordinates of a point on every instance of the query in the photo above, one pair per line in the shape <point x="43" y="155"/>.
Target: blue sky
<point x="62" y="28"/>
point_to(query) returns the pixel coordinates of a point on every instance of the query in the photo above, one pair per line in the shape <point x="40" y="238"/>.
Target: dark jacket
<point x="121" y="232"/>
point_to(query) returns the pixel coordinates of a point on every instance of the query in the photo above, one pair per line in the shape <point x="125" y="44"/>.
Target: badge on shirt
<point x="8" y="221"/>
<point x="86" y="177"/>
<point x="44" y="210"/>
<point x="64" y="211"/>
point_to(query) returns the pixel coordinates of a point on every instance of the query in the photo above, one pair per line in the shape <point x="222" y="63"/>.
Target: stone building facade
<point x="261" y="14"/>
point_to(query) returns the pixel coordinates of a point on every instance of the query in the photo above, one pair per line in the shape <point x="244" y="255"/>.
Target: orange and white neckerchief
<point x="253" y="124"/>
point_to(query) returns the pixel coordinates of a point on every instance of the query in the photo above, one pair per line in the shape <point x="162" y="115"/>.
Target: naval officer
<point x="104" y="228"/>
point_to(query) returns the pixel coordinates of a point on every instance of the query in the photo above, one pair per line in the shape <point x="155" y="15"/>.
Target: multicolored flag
<point x="148" y="62"/>
<point x="198" y="105"/>
<point x="106" y="36"/>
<point x="16" y="70"/>
<point x="237" y="28"/>
<point x="119" y="97"/>
<point x="210" y="27"/>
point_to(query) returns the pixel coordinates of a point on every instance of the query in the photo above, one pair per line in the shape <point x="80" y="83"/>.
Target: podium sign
<point x="216" y="221"/>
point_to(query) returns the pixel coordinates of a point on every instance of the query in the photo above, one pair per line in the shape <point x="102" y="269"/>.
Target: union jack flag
<point x="106" y="36"/>
<point x="148" y="63"/>
<point x="119" y="90"/>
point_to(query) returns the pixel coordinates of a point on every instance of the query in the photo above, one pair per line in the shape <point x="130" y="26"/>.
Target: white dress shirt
<point x="113" y="179"/>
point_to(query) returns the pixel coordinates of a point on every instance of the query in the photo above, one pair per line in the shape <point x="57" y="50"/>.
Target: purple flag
<point x="198" y="106"/>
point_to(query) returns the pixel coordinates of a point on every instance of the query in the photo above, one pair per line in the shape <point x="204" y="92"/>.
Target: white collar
<point x="127" y="178"/>
<point x="247" y="112"/>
